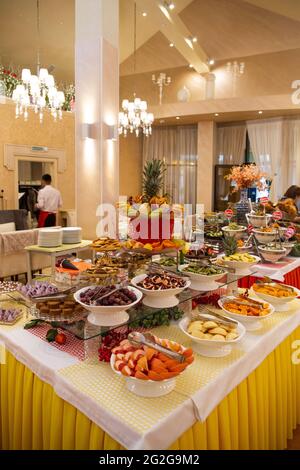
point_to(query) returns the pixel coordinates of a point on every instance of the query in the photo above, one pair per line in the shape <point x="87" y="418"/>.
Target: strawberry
<point x="60" y="338"/>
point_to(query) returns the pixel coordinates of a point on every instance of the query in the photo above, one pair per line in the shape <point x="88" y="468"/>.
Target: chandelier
<point x="134" y="117"/>
<point x="38" y="91"/>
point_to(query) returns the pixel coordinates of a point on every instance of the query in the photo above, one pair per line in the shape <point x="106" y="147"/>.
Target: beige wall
<point x="59" y="135"/>
<point x="265" y="74"/>
<point x="130" y="165"/>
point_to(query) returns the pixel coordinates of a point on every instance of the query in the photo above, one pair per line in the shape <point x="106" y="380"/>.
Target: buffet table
<point x="247" y="400"/>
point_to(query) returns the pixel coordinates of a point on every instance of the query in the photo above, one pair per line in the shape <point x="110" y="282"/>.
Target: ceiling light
<point x="260" y="112"/>
<point x="216" y="114"/>
<point x="191" y="66"/>
<point x="171" y="44"/>
<point x="144" y="13"/>
<point x="211" y="61"/>
<point x="194" y="39"/>
<point x="161" y="121"/>
<point x="171" y="6"/>
<point x="177" y="117"/>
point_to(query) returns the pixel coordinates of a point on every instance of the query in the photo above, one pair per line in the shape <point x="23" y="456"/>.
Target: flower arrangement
<point x="247" y="176"/>
<point x="9" y="81"/>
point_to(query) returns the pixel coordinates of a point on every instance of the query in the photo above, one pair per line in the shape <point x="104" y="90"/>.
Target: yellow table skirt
<point x="260" y="413"/>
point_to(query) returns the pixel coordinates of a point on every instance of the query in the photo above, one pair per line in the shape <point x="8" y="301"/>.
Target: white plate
<point x="203" y="282"/>
<point x="108" y="315"/>
<point x="251" y="323"/>
<point x="159" y="298"/>
<point x="210" y="348"/>
<point x="280" y="304"/>
<point x="242" y="268"/>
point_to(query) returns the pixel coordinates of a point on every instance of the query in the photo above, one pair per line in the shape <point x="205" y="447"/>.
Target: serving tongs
<point x="138" y="339"/>
<point x="95" y="298"/>
<point x="267" y="280"/>
<point x="221" y="319"/>
<point x="246" y="302"/>
<point x="54" y="296"/>
<point x="155" y="268"/>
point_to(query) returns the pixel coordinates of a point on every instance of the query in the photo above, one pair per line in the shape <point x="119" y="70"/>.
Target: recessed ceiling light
<point x="191" y="66"/>
<point x="161" y="121"/>
<point x="194" y="39"/>
<point x="260" y="112"/>
<point x="211" y="61"/>
<point x="171" y="6"/>
<point x="216" y="114"/>
<point x="171" y="44"/>
<point x="144" y="13"/>
<point x="177" y="117"/>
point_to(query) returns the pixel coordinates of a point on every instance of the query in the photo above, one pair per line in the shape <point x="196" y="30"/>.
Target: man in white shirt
<point x="49" y="201"/>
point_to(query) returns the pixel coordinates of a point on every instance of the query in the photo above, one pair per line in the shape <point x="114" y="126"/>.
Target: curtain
<point x="177" y="147"/>
<point x="231" y="144"/>
<point x="266" y="144"/>
<point x="290" y="170"/>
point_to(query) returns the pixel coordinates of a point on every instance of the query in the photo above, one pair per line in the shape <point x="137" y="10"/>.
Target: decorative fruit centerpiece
<point x="152" y="219"/>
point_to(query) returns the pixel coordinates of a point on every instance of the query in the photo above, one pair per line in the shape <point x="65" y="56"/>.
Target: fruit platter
<point x="247" y="310"/>
<point x="234" y="230"/>
<point x="148" y="372"/>
<point x="241" y="262"/>
<point x="203" y="278"/>
<point x="163" y="246"/>
<point x="211" y="337"/>
<point x="279" y="295"/>
<point x="108" y="305"/>
<point x="160" y="289"/>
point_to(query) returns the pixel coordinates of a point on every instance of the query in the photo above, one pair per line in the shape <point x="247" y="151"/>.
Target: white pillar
<point x="205" y="167"/>
<point x="97" y="103"/>
<point x="210" y="86"/>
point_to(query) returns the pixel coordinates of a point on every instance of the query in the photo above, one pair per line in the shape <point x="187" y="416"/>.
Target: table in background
<point x="53" y="253"/>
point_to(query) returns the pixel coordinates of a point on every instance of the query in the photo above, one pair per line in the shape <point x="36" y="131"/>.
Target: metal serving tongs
<point x="55" y="295"/>
<point x="222" y="319"/>
<point x="138" y="339"/>
<point x="267" y="280"/>
<point x="248" y="302"/>
<point x="155" y="268"/>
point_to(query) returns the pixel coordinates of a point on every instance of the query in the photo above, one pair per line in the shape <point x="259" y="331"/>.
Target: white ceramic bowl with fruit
<point x="272" y="254"/>
<point x="240" y="262"/>
<point x="137" y="368"/>
<point x="204" y="280"/>
<point x="264" y="237"/>
<point x="251" y="322"/>
<point x="211" y="347"/>
<point x="288" y="247"/>
<point x="160" y="298"/>
<point x="258" y="221"/>
<point x="107" y="315"/>
<point x="234" y="230"/>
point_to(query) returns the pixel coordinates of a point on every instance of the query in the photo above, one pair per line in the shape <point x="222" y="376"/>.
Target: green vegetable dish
<point x="204" y="270"/>
<point x="168" y="262"/>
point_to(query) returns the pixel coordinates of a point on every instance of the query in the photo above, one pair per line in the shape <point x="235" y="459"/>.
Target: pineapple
<point x="153" y="174"/>
<point x="230" y="245"/>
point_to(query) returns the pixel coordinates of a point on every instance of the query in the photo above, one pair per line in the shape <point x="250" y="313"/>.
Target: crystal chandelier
<point x="134" y="117"/>
<point x="38" y="91"/>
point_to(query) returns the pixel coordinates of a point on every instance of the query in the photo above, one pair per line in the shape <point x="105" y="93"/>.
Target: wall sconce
<point x="88" y="131"/>
<point x="110" y="132"/>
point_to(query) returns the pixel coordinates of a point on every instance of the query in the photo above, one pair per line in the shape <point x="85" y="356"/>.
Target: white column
<point x="205" y="167"/>
<point x="97" y="103"/>
<point x="210" y="86"/>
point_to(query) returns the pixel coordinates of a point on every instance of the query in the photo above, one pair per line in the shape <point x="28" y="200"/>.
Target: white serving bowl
<point x="211" y="348"/>
<point x="250" y="323"/>
<point x="203" y="282"/>
<point x="271" y="255"/>
<point x="146" y="388"/>
<point x="159" y="298"/>
<point x="264" y="237"/>
<point x="239" y="233"/>
<point x="281" y="304"/>
<point x="108" y="315"/>
<point x="241" y="268"/>
<point x="288" y="247"/>
<point x="258" y="220"/>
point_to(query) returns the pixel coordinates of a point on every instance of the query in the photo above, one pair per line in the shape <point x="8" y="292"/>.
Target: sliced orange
<point x="189" y="359"/>
<point x="141" y="375"/>
<point x="154" y="375"/>
<point x="168" y="375"/>
<point x="157" y="363"/>
<point x="178" y="367"/>
<point x="142" y="364"/>
<point x="150" y="353"/>
<point x="187" y="352"/>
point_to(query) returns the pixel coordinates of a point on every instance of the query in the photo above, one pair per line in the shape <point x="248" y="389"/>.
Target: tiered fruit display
<point x="148" y="364"/>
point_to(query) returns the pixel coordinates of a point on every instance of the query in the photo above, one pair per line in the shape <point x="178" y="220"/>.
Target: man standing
<point x="49" y="200"/>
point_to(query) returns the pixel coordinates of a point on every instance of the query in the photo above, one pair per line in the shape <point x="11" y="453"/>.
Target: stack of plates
<point x="50" y="237"/>
<point x="72" y="235"/>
